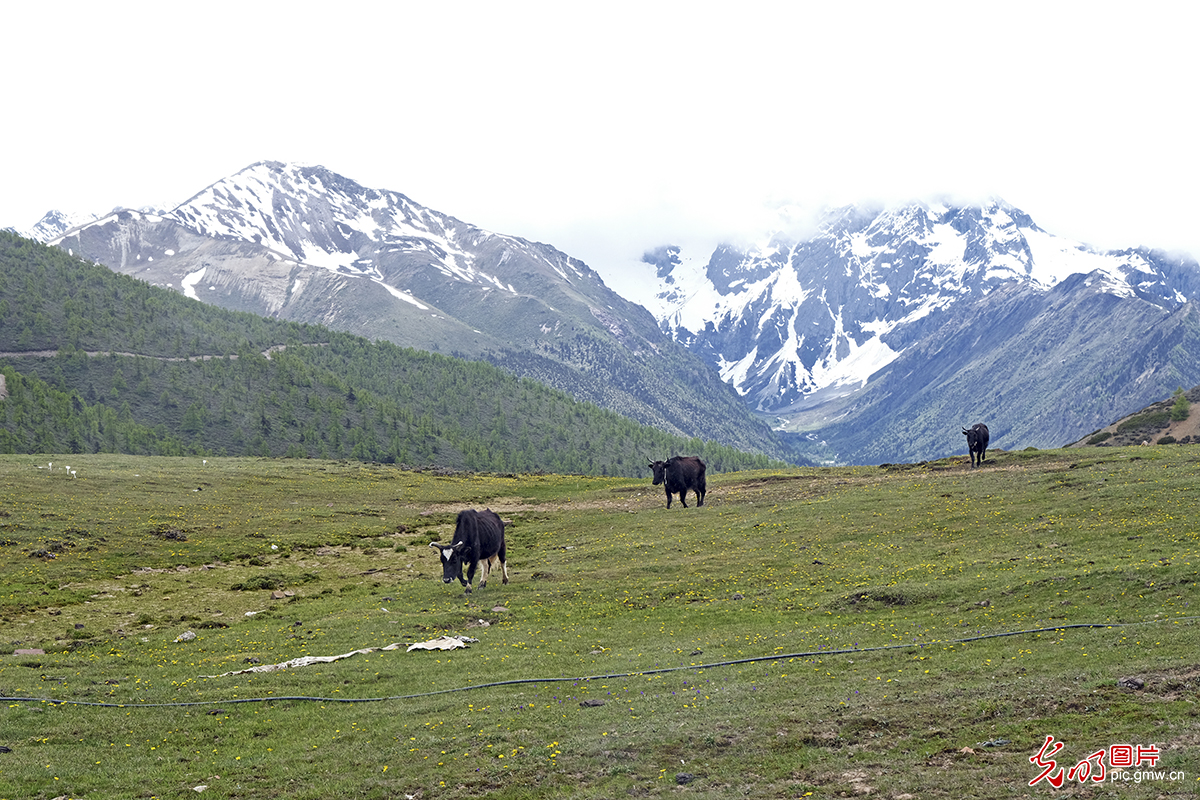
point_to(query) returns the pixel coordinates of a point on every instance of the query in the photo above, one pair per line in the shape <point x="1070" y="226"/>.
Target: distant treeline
<point x="141" y="369"/>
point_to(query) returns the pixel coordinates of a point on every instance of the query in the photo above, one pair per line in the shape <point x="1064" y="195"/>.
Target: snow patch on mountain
<point x="405" y="296"/>
<point x="189" y="282"/>
<point x="1054" y="259"/>
<point x="859" y="362"/>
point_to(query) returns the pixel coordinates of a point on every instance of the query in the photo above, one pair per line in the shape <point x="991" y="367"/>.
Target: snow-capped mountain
<point x="306" y="244"/>
<point x="794" y="324"/>
<point x="312" y="217"/>
<point x="54" y="224"/>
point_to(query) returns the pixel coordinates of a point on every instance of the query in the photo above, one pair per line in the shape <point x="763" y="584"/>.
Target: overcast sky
<point x="608" y="128"/>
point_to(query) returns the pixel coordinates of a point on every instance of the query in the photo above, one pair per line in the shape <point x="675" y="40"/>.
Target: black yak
<point x="478" y="540"/>
<point x="977" y="442"/>
<point x="681" y="474"/>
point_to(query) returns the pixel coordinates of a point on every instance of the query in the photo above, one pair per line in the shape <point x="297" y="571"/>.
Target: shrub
<point x="260" y="582"/>
<point x="1147" y="419"/>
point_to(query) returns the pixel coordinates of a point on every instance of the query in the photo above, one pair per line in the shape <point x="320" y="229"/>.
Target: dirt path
<point x="99" y="353"/>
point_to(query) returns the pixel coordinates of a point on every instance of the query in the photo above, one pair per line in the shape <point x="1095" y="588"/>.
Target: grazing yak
<point x="977" y="442"/>
<point x="478" y="542"/>
<point x="681" y="474"/>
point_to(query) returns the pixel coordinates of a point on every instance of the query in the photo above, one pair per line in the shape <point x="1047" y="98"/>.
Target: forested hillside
<point x="95" y="361"/>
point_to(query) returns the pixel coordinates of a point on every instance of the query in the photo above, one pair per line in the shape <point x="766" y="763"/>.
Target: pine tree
<point x="1182" y="407"/>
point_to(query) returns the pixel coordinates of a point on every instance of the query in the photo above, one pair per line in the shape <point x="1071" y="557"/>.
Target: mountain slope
<point x="306" y="244"/>
<point x="1037" y="367"/>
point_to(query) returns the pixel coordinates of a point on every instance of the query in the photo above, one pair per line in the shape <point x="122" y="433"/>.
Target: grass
<point x="807" y="633"/>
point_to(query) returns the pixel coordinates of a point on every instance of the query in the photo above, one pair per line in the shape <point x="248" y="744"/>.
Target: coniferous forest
<point x="95" y="361"/>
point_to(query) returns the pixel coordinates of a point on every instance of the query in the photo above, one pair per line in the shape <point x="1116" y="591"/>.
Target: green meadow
<point x="903" y="631"/>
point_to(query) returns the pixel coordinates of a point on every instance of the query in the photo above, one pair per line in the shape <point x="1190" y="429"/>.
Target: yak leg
<point x="491" y="565"/>
<point x="500" y="556"/>
<point x="485" y="570"/>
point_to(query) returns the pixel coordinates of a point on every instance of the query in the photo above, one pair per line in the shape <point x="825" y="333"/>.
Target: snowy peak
<point x="317" y="217"/>
<point x="311" y="216"/>
<point x="55" y="223"/>
<point x="323" y="219"/>
<point x="795" y="320"/>
<point x="918" y="248"/>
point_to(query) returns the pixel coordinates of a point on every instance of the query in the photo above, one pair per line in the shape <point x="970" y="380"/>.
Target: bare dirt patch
<point x="1178" y="683"/>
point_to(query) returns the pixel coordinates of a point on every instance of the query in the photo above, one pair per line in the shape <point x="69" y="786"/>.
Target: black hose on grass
<point x="610" y="676"/>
